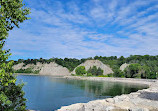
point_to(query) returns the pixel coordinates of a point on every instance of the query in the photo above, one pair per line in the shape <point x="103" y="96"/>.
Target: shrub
<point x="95" y="71"/>
<point x="80" y="70"/>
<point x="28" y="70"/>
<point x="102" y="76"/>
<point x="89" y="74"/>
<point x="118" y="73"/>
<point x="72" y="74"/>
<point x="133" y="71"/>
<point x="110" y="75"/>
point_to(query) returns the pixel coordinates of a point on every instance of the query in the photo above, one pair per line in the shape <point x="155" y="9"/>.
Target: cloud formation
<point x="80" y="29"/>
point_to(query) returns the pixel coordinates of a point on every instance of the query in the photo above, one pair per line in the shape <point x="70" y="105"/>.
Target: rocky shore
<point x="142" y="100"/>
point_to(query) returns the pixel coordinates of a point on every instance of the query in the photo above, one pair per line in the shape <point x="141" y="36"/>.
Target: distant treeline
<point x="146" y="64"/>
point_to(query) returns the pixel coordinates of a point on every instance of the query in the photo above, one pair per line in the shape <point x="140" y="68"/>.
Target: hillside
<point x="90" y="63"/>
<point x="42" y="69"/>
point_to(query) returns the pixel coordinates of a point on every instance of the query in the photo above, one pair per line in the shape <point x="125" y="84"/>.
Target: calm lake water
<point x="45" y="93"/>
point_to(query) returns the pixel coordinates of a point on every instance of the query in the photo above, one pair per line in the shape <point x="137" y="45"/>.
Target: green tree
<point x="95" y="71"/>
<point x="118" y="73"/>
<point x="132" y="71"/>
<point x="99" y="71"/>
<point x="12" y="12"/>
<point x="80" y="70"/>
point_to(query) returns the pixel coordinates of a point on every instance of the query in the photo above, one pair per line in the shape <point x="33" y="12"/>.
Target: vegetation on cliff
<point x="95" y="71"/>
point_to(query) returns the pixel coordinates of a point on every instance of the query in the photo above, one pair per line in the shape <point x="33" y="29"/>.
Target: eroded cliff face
<point x="97" y="63"/>
<point x="45" y="69"/>
<point x="54" y="69"/>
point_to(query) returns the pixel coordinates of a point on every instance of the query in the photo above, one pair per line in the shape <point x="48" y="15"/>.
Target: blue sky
<point x="86" y="28"/>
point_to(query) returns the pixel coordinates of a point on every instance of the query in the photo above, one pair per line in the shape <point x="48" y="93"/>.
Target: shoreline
<point x="142" y="100"/>
<point x="112" y="79"/>
<point x="31" y="74"/>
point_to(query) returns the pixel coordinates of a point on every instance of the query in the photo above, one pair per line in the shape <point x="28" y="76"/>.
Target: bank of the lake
<point x="142" y="100"/>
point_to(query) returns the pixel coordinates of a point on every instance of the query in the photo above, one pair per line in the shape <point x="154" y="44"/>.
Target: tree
<point x="118" y="73"/>
<point x="133" y="70"/>
<point x="99" y="71"/>
<point x="12" y="12"/>
<point x="95" y="71"/>
<point x="80" y="70"/>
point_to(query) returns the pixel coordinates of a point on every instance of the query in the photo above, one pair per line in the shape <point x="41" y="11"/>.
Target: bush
<point x="89" y="74"/>
<point x="72" y="74"/>
<point x="95" y="71"/>
<point x="118" y="73"/>
<point x="28" y="70"/>
<point x="102" y="76"/>
<point x="110" y="75"/>
<point x="133" y="71"/>
<point x="80" y="70"/>
<point x="36" y="71"/>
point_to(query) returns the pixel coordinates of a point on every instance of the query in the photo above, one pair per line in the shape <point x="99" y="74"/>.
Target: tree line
<point x="147" y="65"/>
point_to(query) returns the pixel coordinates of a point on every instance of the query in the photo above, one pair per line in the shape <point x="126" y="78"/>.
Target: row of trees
<point x="91" y="71"/>
<point x="132" y="71"/>
<point x="135" y="71"/>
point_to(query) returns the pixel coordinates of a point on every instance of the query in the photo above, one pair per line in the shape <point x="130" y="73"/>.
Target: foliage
<point x="102" y="76"/>
<point x="110" y="75"/>
<point x="133" y="71"/>
<point x="118" y="73"/>
<point x="149" y="64"/>
<point x="80" y="70"/>
<point x="89" y="74"/>
<point x="72" y="74"/>
<point x="28" y="70"/>
<point x="95" y="71"/>
<point x="12" y="13"/>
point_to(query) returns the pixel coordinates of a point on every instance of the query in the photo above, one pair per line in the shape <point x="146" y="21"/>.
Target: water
<point x="45" y="93"/>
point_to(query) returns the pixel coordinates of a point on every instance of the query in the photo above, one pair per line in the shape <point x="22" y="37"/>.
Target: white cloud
<point x="96" y="28"/>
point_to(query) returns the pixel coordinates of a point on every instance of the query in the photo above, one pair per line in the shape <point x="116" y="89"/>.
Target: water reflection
<point x="46" y="93"/>
<point x="102" y="89"/>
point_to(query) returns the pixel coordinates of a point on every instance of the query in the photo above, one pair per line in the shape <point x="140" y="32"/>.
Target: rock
<point x="123" y="66"/>
<point x="73" y="107"/>
<point x="54" y="69"/>
<point x="138" y="109"/>
<point x="110" y="100"/>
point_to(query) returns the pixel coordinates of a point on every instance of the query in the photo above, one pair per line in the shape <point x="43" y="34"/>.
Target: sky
<point x="86" y="28"/>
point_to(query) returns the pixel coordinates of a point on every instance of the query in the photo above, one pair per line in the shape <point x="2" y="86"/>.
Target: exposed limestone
<point x="142" y="100"/>
<point x="97" y="63"/>
<point x="45" y="69"/>
<point x="123" y="66"/>
<point x="54" y="69"/>
<point x="18" y="66"/>
<point x="38" y="66"/>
